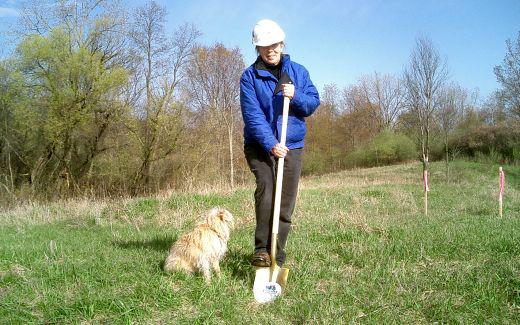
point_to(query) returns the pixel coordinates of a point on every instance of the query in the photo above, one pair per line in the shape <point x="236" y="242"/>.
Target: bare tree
<point x="452" y="103"/>
<point x="78" y="17"/>
<point x="324" y="142"/>
<point x="158" y="66"/>
<point x="327" y="113"/>
<point x="508" y="74"/>
<point x="386" y="93"/>
<point x="424" y="76"/>
<point x="495" y="108"/>
<point x="358" y="117"/>
<point x="214" y="85"/>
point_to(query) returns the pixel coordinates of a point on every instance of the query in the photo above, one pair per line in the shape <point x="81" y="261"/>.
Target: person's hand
<point x="288" y="90"/>
<point x="279" y="151"/>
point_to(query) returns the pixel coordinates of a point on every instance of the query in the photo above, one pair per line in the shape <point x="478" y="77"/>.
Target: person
<point x="262" y="115"/>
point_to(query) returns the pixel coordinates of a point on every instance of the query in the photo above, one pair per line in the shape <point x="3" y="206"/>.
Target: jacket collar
<point x="286" y="60"/>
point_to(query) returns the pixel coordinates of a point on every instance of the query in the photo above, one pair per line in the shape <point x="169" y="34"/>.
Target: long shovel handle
<point x="278" y="190"/>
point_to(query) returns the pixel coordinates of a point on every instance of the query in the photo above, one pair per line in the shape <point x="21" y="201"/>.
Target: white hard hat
<point x="266" y="32"/>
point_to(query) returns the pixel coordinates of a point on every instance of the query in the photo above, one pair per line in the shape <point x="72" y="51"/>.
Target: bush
<point x="385" y="149"/>
<point x="317" y="162"/>
<point x="499" y="142"/>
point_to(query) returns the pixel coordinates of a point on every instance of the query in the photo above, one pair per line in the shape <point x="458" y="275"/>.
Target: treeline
<point x="99" y="100"/>
<point x="373" y="123"/>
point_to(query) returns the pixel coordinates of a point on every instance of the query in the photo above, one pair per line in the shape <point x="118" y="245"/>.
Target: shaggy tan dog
<point x="202" y="248"/>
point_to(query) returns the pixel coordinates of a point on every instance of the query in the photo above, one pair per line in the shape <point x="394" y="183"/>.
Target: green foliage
<point x="499" y="143"/>
<point x="317" y="161"/>
<point x="69" y="101"/>
<point x="386" y="148"/>
<point x="12" y="96"/>
<point x="438" y="149"/>
<point x="72" y="82"/>
<point x="82" y="113"/>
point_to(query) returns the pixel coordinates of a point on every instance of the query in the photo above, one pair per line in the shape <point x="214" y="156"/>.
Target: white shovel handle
<point x="278" y="190"/>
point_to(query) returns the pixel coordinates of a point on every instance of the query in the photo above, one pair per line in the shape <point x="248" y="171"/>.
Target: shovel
<point x="268" y="280"/>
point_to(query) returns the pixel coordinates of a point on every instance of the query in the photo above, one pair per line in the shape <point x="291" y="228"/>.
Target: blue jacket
<point x="262" y="110"/>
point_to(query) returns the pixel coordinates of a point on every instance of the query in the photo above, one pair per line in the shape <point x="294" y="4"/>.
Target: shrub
<point x="499" y="142"/>
<point x="386" y="148"/>
<point x="317" y="162"/>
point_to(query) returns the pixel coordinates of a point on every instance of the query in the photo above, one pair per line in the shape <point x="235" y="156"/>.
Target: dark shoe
<point x="261" y="259"/>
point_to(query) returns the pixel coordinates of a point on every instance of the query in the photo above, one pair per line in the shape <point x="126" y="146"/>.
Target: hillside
<point x="360" y="251"/>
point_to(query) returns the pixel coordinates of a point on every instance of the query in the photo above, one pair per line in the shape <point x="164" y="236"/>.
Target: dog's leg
<point x="206" y="272"/>
<point x="216" y="267"/>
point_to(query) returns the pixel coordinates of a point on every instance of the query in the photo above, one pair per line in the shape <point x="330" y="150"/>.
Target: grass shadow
<point x="161" y="244"/>
<point x="238" y="262"/>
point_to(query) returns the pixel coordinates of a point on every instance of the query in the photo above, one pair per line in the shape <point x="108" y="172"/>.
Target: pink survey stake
<point x="425" y="179"/>
<point x="502" y="181"/>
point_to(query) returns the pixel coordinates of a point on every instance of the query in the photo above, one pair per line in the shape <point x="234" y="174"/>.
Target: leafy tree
<point x="73" y="97"/>
<point x="12" y="97"/>
<point x="69" y="73"/>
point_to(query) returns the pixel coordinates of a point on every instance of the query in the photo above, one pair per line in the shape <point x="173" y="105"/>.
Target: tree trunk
<point x="447" y="158"/>
<point x="143" y="174"/>
<point x="425" y="180"/>
<point x="424" y="145"/>
<point x="231" y="165"/>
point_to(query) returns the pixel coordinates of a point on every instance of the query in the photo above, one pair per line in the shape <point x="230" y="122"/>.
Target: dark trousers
<point x="263" y="165"/>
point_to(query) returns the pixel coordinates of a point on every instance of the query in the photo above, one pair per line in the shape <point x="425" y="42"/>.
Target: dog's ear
<point x="222" y="215"/>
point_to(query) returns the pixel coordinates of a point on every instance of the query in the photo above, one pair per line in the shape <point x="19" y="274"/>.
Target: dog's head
<point x="219" y="215"/>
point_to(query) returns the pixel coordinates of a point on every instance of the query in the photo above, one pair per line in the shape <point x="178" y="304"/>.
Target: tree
<point x="452" y="104"/>
<point x="214" y="86"/>
<point x="158" y="66"/>
<point x="495" y="108"/>
<point x="386" y="93"/>
<point x="424" y="77"/>
<point x="508" y="75"/>
<point x="73" y="98"/>
<point x="358" y="117"/>
<point x="12" y="96"/>
<point x="69" y="60"/>
<point x="323" y="143"/>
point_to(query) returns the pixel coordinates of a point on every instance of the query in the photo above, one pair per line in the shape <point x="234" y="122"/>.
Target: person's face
<point x="271" y="54"/>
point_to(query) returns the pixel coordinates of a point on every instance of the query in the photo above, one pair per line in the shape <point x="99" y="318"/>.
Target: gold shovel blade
<point x="281" y="279"/>
<point x="263" y="282"/>
<point x="263" y="275"/>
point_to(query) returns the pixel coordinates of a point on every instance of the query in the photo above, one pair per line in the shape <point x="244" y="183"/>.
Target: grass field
<point x="360" y="251"/>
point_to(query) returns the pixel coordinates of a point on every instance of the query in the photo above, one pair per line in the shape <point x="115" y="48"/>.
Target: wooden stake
<point x="425" y="203"/>
<point x="426" y="190"/>
<point x="501" y="183"/>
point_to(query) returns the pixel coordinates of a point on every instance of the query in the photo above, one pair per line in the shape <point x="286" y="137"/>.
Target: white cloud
<point x="8" y="12"/>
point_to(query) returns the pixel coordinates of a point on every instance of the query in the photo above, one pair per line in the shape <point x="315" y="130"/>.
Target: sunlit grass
<point x="360" y="251"/>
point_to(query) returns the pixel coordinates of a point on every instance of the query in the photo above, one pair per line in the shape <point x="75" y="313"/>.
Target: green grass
<point x="360" y="251"/>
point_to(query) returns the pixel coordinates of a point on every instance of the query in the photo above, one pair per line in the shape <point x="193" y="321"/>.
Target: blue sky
<point x="338" y="41"/>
